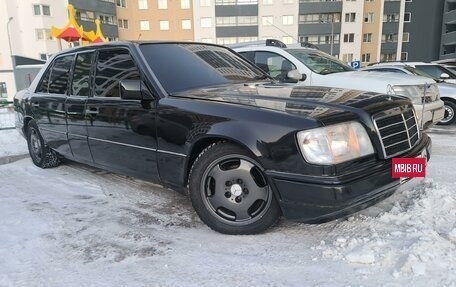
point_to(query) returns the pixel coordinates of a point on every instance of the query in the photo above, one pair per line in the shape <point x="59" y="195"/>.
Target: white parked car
<point x="321" y="69"/>
<point x="436" y="71"/>
<point x="447" y="91"/>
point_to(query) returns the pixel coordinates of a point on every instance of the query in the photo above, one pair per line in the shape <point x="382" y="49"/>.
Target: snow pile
<point x="12" y="143"/>
<point x="79" y="226"/>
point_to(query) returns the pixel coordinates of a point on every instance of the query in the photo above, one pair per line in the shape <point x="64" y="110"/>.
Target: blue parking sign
<point x="355" y="64"/>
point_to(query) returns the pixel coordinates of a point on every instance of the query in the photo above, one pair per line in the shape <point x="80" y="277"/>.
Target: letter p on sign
<point x="408" y="167"/>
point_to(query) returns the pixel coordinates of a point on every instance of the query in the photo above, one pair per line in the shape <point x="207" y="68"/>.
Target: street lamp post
<point x="9" y="39"/>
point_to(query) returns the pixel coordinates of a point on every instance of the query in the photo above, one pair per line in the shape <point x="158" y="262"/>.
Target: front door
<point x="122" y="134"/>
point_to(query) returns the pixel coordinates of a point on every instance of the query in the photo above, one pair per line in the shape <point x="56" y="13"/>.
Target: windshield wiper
<point x="263" y="77"/>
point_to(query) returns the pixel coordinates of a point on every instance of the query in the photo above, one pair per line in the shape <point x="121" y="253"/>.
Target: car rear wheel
<point x="42" y="156"/>
<point x="449" y="117"/>
<point x="230" y="191"/>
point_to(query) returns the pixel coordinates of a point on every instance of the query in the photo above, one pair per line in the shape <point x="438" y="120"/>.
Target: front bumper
<point x="433" y="113"/>
<point x="301" y="200"/>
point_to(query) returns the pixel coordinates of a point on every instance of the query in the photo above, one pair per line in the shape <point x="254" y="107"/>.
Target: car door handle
<point x="92" y="111"/>
<point x="35" y="105"/>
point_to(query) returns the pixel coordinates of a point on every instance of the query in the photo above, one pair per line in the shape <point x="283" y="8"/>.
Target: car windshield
<point x="419" y="72"/>
<point x="435" y="71"/>
<point x="319" y="62"/>
<point x="182" y="66"/>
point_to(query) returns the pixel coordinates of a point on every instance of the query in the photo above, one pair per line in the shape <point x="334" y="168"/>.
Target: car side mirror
<point x="444" y="76"/>
<point x="134" y="90"/>
<point x="294" y="76"/>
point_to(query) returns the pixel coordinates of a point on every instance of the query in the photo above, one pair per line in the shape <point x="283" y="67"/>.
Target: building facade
<point x="155" y="20"/>
<point x="448" y="27"/>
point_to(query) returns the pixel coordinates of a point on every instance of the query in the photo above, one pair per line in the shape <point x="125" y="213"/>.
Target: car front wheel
<point x="230" y="191"/>
<point x="42" y="156"/>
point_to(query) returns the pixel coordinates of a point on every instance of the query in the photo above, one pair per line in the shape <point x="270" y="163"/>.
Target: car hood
<point x="379" y="82"/>
<point x="322" y="103"/>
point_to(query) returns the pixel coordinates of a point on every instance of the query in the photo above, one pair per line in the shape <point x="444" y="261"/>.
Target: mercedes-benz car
<point x="202" y="120"/>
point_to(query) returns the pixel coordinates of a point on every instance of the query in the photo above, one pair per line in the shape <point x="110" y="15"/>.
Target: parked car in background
<point x="435" y="71"/>
<point x="321" y="69"/>
<point x="447" y="91"/>
<point x="200" y="119"/>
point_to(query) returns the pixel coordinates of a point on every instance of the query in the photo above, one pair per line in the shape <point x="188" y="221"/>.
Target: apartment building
<point x="26" y="32"/>
<point x="447" y="49"/>
<point x="155" y="19"/>
<point x="105" y="10"/>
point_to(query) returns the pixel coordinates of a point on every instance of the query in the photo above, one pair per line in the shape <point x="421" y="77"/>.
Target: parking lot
<point x="79" y="226"/>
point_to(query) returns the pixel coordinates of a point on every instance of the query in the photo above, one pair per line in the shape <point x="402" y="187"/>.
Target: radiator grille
<point x="397" y="129"/>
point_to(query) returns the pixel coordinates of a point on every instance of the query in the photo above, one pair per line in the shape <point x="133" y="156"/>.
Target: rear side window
<point x="43" y="87"/>
<point x="112" y="67"/>
<point x="60" y="74"/>
<point x="81" y="75"/>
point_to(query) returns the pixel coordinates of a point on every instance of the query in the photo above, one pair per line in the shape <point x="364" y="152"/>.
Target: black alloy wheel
<point x="230" y="192"/>
<point x="42" y="156"/>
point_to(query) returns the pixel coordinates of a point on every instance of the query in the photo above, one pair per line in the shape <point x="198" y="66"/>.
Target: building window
<point x="185" y="4"/>
<point x="122" y="23"/>
<point x="267" y="20"/>
<point x="226" y="40"/>
<point x="42" y="10"/>
<point x="406" y="37"/>
<point x="407" y="17"/>
<point x="287" y="20"/>
<point x="206" y="22"/>
<point x="246" y="39"/>
<point x="162" y="4"/>
<point x="368" y="17"/>
<point x="394" y="17"/>
<point x="366" y="57"/>
<point x="404" y="56"/>
<point x="164" y="25"/>
<point x="107" y="19"/>
<point x="288" y="2"/>
<point x="347" y="58"/>
<point x="43" y="56"/>
<point x="350" y="17"/>
<point x="121" y="3"/>
<point x="142" y="4"/>
<point x="319" y="39"/>
<point x="349" y="38"/>
<point x="144" y="25"/>
<point x="367" y="38"/>
<point x="207" y="40"/>
<point x="388" y="57"/>
<point x="389" y="38"/>
<point x="236" y="21"/>
<point x="267" y="2"/>
<point x="287" y="39"/>
<point x="205" y="3"/>
<point x="319" y="18"/>
<point x="43" y="34"/>
<point x="186" y="24"/>
<point x="369" y="0"/>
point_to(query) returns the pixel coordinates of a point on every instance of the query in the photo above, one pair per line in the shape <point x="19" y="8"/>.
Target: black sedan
<point x="200" y="119"/>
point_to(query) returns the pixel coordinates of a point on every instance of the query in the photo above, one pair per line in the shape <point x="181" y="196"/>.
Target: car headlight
<point x="416" y="92"/>
<point x="334" y="144"/>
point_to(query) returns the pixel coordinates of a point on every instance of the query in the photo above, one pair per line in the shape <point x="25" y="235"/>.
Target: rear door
<point x="48" y="104"/>
<point x="121" y="133"/>
<point x="75" y="105"/>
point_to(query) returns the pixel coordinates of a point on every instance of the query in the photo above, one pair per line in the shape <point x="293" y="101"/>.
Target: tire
<point x="230" y="192"/>
<point x="449" y="117"/>
<point x="42" y="156"/>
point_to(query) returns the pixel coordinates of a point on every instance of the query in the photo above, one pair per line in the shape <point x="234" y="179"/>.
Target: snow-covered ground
<point x="79" y="226"/>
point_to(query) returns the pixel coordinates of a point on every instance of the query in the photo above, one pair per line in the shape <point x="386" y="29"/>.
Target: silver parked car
<point x="447" y="91"/>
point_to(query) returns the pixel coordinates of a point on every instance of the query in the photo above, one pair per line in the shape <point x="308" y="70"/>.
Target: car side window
<point x="112" y="67"/>
<point x="43" y="86"/>
<point x="81" y="75"/>
<point x="60" y="74"/>
<point x="273" y="64"/>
